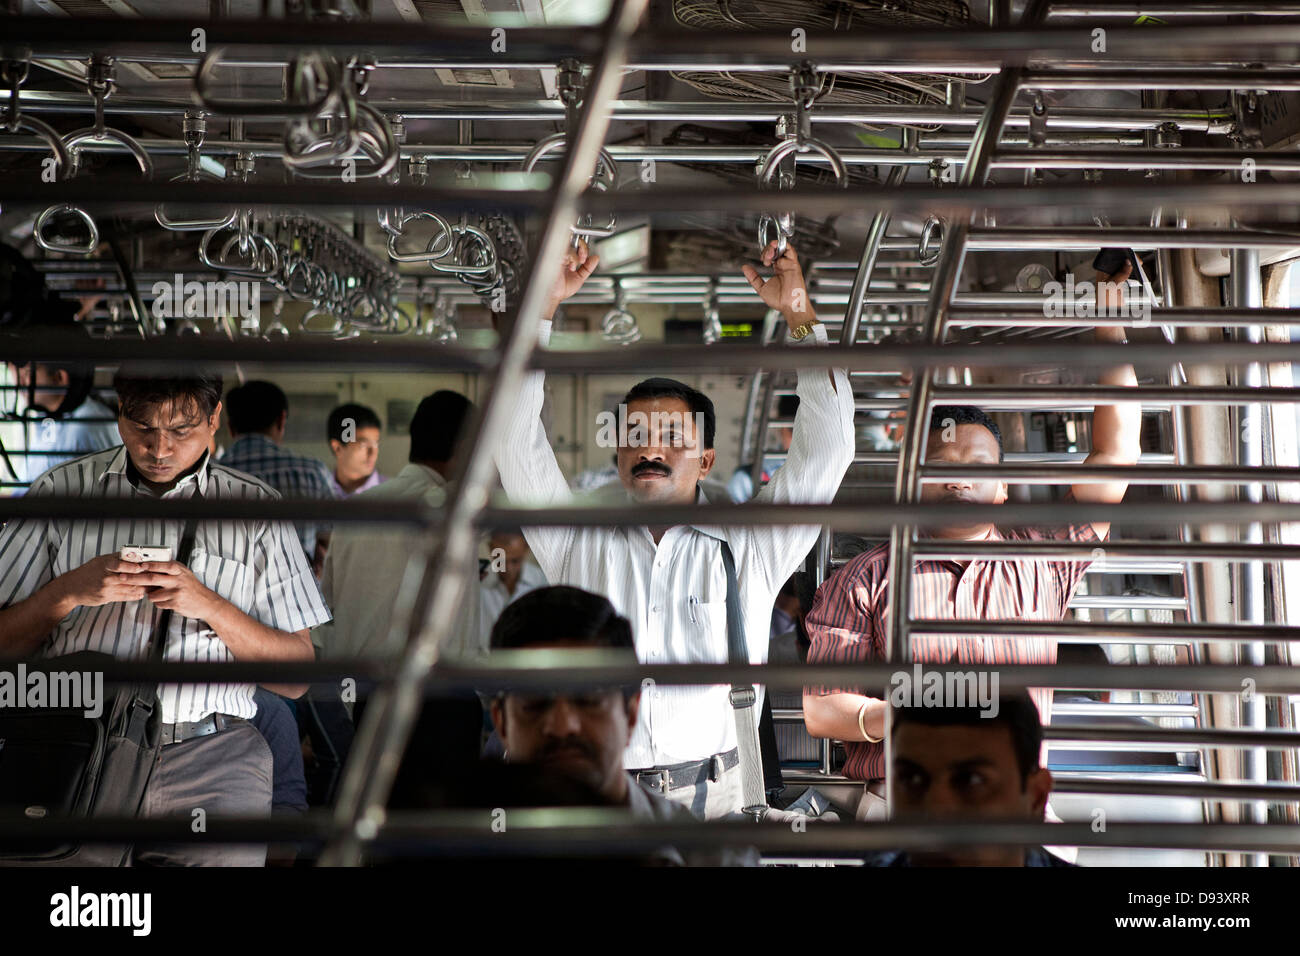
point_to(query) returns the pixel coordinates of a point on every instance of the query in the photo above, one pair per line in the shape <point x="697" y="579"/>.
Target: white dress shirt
<point x="675" y="592"/>
<point x="364" y="570"/>
<point x="493" y="596"/>
<point x="256" y="565"/>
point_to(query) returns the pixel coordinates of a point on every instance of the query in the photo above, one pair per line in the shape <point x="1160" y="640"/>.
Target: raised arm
<point x="1116" y="429"/>
<point x="822" y="445"/>
<point x="530" y="474"/>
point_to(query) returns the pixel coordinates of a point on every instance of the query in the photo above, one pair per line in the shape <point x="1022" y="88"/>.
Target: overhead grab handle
<point x="195" y="127"/>
<point x="13" y="74"/>
<point x="805" y="86"/>
<point x="58" y="244"/>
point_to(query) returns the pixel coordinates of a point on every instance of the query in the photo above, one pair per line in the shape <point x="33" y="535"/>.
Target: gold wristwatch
<point x="801" y="332"/>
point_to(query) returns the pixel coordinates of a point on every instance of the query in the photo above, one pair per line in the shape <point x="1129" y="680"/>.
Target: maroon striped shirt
<point x="847" y="623"/>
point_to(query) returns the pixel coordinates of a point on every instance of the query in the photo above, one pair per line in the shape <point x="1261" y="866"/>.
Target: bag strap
<point x="743" y="698"/>
<point x="158" y="639"/>
<point x="145" y="696"/>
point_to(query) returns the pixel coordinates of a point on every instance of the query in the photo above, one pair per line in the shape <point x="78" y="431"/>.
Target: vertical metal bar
<point x="907" y="483"/>
<point x="764" y="416"/>
<point x="1247" y="292"/>
<point x="383" y="736"/>
<point x="1192" y="570"/>
<point x="751" y="409"/>
<point x="867" y="265"/>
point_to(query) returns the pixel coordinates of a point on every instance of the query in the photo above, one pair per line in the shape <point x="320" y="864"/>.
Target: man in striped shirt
<point x="848" y="620"/>
<point x="670" y="582"/>
<point x="246" y="594"/>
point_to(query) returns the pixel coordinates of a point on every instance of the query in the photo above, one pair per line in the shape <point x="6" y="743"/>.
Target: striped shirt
<point x="675" y="591"/>
<point x="292" y="475"/>
<point x="848" y="620"/>
<point x="255" y="565"/>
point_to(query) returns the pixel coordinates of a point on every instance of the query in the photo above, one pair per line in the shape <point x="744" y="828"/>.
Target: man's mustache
<point x="650" y="467"/>
<point x="552" y="747"/>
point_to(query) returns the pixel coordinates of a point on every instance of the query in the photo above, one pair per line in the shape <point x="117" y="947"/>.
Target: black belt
<point x="681" y="775"/>
<point x="187" y="730"/>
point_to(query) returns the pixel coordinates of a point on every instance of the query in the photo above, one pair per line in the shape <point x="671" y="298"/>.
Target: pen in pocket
<point x="692" y="602"/>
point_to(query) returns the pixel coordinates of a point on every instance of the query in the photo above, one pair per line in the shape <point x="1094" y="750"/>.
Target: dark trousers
<point x="223" y="774"/>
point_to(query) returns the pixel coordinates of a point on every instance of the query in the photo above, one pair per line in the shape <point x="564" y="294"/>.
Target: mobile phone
<point x="140" y="553"/>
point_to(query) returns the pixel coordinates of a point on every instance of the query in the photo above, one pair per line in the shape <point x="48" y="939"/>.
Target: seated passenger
<point x="959" y="765"/>
<point x="848" y="619"/>
<point x="670" y="581"/>
<point x="581" y="735"/>
<point x="353" y="431"/>
<point x="256" y="413"/>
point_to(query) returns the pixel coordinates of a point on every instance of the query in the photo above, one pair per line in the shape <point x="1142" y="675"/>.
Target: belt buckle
<point x="716" y="768"/>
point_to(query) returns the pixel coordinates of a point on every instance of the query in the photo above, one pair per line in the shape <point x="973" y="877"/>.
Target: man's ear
<point x="214" y="420"/>
<point x="284" y="417"/>
<point x="1038" y="787"/>
<point x="498" y="714"/>
<point x="633" y="712"/>
<point x="62" y="378"/>
<point x="1001" y="497"/>
<point x="336" y="446"/>
<point x="707" y="458"/>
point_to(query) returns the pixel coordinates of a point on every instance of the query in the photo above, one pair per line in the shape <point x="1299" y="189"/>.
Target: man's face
<point x="581" y="735"/>
<point x="49" y="382"/>
<point x="958" y="773"/>
<point x="164" y="441"/>
<point x="663" y="462"/>
<point x="515" y="550"/>
<point x="355" y="460"/>
<point x="963" y="445"/>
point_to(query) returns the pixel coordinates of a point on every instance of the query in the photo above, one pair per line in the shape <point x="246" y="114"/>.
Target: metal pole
<point x="383" y="736"/>
<point x="1247" y="292"/>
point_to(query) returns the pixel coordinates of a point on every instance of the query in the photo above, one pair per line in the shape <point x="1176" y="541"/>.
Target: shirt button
<point x="654" y="609"/>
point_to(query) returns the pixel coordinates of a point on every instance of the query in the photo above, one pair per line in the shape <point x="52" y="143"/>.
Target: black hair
<point x="695" y="400"/>
<point x="944" y="415"/>
<point x="1016" y="712"/>
<point x="561" y="613"/>
<point x="564" y="614"/>
<point x="362" y="417"/>
<point x="137" y="389"/>
<point x="254" y="407"/>
<point x="787" y="406"/>
<point x="437" y="425"/>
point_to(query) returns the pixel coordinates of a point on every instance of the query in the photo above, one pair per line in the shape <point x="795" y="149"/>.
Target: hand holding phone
<point x="140" y="553"/>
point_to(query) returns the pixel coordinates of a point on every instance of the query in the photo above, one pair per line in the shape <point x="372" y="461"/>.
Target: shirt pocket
<point x="707" y="631"/>
<point x="226" y="577"/>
